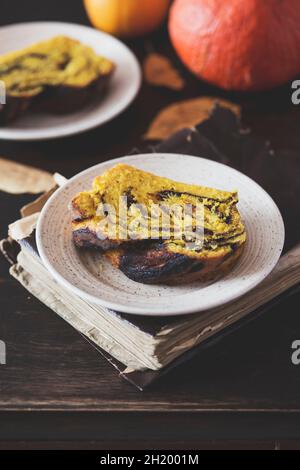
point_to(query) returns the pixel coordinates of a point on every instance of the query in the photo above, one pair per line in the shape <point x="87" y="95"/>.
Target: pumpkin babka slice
<point x="160" y="252"/>
<point x="59" y="75"/>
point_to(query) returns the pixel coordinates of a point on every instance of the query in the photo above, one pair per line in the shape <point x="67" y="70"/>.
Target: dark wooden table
<point x="56" y="391"/>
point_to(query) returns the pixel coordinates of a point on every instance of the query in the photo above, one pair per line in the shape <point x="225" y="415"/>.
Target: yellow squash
<point x="127" y="18"/>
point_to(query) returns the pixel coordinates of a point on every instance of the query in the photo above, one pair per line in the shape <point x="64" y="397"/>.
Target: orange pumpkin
<point x="238" y="44"/>
<point x="127" y="18"/>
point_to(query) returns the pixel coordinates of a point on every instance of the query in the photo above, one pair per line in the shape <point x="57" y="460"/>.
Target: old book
<point x="143" y="344"/>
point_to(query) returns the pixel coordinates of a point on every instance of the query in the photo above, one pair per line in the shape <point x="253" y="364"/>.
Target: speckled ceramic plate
<point x="122" y="89"/>
<point x="90" y="276"/>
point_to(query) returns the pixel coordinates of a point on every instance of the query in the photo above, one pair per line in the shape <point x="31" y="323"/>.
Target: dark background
<point x="57" y="391"/>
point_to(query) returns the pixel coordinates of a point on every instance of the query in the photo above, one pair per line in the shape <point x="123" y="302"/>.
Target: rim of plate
<point x="64" y="130"/>
<point x="119" y="306"/>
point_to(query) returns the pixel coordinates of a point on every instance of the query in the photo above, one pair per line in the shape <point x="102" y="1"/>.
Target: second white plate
<point x="90" y="276"/>
<point x="122" y="89"/>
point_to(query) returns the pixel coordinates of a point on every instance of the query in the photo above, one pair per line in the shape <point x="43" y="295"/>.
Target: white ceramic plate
<point x="122" y="89"/>
<point x="93" y="278"/>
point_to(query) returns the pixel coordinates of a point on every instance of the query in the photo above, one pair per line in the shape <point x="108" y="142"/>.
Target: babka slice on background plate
<point x="60" y="79"/>
<point x="59" y="76"/>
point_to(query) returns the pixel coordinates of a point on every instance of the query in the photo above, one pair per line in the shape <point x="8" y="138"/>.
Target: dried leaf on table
<point x="16" y="178"/>
<point x="159" y="71"/>
<point x="186" y="113"/>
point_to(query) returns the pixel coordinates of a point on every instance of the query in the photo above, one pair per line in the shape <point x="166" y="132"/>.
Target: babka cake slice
<point x="58" y="75"/>
<point x="159" y="253"/>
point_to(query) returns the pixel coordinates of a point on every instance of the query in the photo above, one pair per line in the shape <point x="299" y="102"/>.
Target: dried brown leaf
<point x="159" y="71"/>
<point x="16" y="178"/>
<point x="186" y="113"/>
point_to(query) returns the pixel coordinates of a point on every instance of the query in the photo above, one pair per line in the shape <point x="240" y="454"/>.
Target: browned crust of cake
<point x="54" y="100"/>
<point x="157" y="265"/>
<point x="13" y="108"/>
<point x="85" y="236"/>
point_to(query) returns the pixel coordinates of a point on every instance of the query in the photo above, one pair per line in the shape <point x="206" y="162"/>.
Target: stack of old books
<point x="143" y="348"/>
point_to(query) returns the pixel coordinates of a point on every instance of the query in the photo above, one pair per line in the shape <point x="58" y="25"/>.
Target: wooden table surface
<point x="57" y="390"/>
